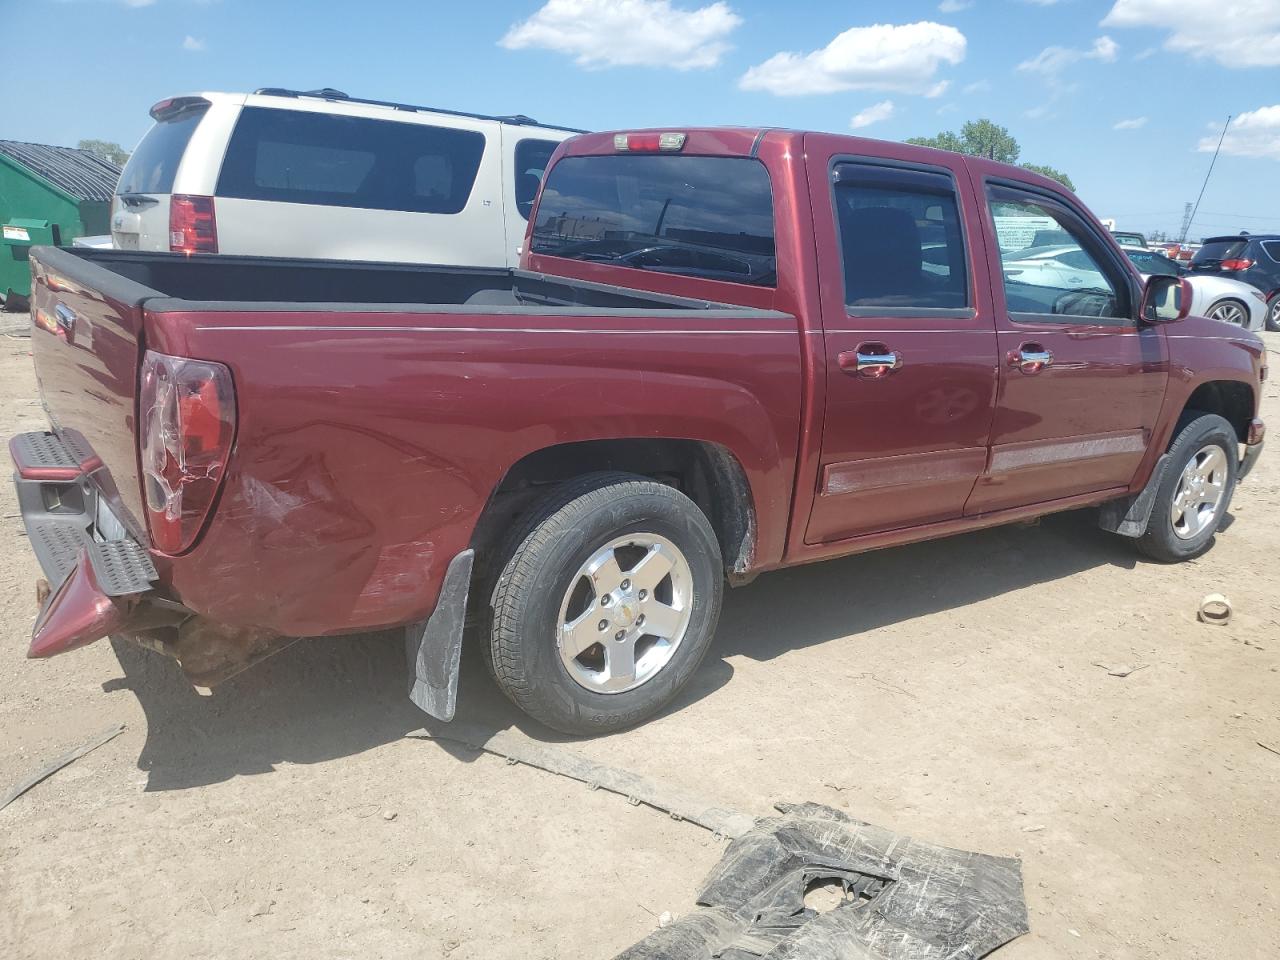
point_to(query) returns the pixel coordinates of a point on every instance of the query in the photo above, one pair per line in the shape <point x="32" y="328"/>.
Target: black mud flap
<point x="903" y="899"/>
<point x="434" y="647"/>
<point x="1129" y="516"/>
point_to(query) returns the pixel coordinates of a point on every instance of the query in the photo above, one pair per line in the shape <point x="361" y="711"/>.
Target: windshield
<point x="708" y="217"/>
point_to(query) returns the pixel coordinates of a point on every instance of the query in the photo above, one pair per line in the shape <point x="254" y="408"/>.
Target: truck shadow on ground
<point x="332" y="697"/>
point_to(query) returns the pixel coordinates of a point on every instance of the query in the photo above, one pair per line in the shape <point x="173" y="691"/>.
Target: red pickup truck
<point x="727" y="351"/>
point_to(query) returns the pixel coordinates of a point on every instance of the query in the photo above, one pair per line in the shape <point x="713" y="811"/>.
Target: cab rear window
<point x="706" y="217"/>
<point x="293" y="156"/>
<point x="154" y="163"/>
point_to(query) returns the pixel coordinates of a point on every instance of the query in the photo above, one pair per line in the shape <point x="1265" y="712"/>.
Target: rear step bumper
<point x="94" y="585"/>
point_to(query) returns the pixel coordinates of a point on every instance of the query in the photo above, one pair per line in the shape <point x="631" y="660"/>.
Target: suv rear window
<point x="153" y="165"/>
<point x="1216" y="250"/>
<point x="707" y="217"/>
<point x="292" y="156"/>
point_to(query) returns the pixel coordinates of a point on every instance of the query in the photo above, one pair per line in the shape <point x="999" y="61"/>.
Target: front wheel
<point x="1230" y="311"/>
<point x="607" y="604"/>
<point x="1195" y="491"/>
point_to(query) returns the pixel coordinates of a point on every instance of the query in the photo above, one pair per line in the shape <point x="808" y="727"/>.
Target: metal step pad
<point x="57" y="545"/>
<point x="122" y="567"/>
<point x="42" y="456"/>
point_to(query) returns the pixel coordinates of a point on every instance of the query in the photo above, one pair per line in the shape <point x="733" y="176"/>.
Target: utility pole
<point x="1186" y="222"/>
<point x="1187" y="225"/>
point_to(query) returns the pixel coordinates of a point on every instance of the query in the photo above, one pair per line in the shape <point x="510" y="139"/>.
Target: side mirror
<point x="1165" y="300"/>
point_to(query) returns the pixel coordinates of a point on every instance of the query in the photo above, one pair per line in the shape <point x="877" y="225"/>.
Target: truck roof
<point x="746" y="141"/>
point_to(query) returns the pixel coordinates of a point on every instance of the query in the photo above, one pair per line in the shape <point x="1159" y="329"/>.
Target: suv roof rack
<point x="328" y="93"/>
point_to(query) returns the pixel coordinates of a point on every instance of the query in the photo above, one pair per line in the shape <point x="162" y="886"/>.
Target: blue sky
<point x="1060" y="74"/>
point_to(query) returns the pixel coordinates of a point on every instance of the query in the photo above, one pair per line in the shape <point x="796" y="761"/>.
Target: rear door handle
<point x="870" y="360"/>
<point x="1031" y="358"/>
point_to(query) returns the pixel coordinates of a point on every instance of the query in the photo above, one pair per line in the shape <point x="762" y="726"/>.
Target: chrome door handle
<point x="1031" y="358"/>
<point x="871" y="360"/>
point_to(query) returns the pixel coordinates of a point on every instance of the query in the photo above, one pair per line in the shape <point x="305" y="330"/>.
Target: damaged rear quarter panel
<point x="368" y="443"/>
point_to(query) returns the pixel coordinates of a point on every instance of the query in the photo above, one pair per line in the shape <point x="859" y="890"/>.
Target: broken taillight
<point x="186" y="423"/>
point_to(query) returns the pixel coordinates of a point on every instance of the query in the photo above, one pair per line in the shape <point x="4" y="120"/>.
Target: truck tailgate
<point x="85" y="343"/>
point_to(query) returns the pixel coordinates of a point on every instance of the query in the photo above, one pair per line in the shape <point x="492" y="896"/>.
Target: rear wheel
<point x="1273" y="314"/>
<point x="1230" y="311"/>
<point x="607" y="603"/>
<point x="1195" y="491"/>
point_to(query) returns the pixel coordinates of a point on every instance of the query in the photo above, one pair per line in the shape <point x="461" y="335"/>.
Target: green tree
<point x="977" y="138"/>
<point x="1051" y="173"/>
<point x="985" y="138"/>
<point x="107" y="150"/>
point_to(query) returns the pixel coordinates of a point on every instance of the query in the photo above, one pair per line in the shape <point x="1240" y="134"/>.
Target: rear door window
<point x="154" y="163"/>
<point x="532" y="157"/>
<point x="706" y="217"/>
<point x="292" y="156"/>
<point x="1272" y="249"/>
<point x="900" y="238"/>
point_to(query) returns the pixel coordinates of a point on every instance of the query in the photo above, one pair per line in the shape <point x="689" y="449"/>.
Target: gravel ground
<point x="949" y="690"/>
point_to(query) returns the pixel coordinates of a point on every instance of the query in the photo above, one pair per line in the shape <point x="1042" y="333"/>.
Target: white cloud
<point x="1137" y="123"/>
<point x="1146" y="54"/>
<point x="979" y="86"/>
<point x="1042" y="3"/>
<point x="902" y="59"/>
<point x="1252" y="134"/>
<point x="1236" y="33"/>
<point x="873" y="114"/>
<point x="1040" y="112"/>
<point x="1053" y="60"/>
<point x="954" y="6"/>
<point x="191" y="43"/>
<point x="627" y="33"/>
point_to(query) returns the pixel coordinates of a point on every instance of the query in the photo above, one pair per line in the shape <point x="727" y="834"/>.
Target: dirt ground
<point x="951" y="691"/>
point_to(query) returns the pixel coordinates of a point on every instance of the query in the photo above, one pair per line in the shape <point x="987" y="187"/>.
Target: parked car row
<point x="1252" y="259"/>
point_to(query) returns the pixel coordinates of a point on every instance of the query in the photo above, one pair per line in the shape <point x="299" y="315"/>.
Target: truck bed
<point x="214" y="282"/>
<point x="378" y="406"/>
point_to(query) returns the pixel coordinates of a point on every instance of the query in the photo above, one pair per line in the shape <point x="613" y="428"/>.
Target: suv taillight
<point x="186" y="422"/>
<point x="1236" y="263"/>
<point x="193" y="228"/>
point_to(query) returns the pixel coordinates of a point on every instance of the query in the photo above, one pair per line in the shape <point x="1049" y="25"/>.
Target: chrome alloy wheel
<point x="1200" y="491"/>
<point x="625" y="613"/>
<point x="1230" y="312"/>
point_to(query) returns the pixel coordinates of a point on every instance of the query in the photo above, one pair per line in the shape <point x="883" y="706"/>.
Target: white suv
<point x="318" y="174"/>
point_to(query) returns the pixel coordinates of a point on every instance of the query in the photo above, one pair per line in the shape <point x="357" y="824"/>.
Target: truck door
<point x="1081" y="381"/>
<point x="909" y="344"/>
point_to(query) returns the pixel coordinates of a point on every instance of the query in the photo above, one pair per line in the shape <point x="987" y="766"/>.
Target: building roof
<point x="79" y="173"/>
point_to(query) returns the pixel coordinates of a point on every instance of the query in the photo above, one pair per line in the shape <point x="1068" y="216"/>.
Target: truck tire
<point x="606" y="604"/>
<point x="1196" y="489"/>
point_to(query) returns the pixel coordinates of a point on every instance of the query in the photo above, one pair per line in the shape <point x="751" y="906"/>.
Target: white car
<point x="318" y="174"/>
<point x="1219" y="298"/>
<point x="1070" y="268"/>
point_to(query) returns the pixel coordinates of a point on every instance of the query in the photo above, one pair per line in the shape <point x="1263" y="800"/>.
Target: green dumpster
<point x="48" y="195"/>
